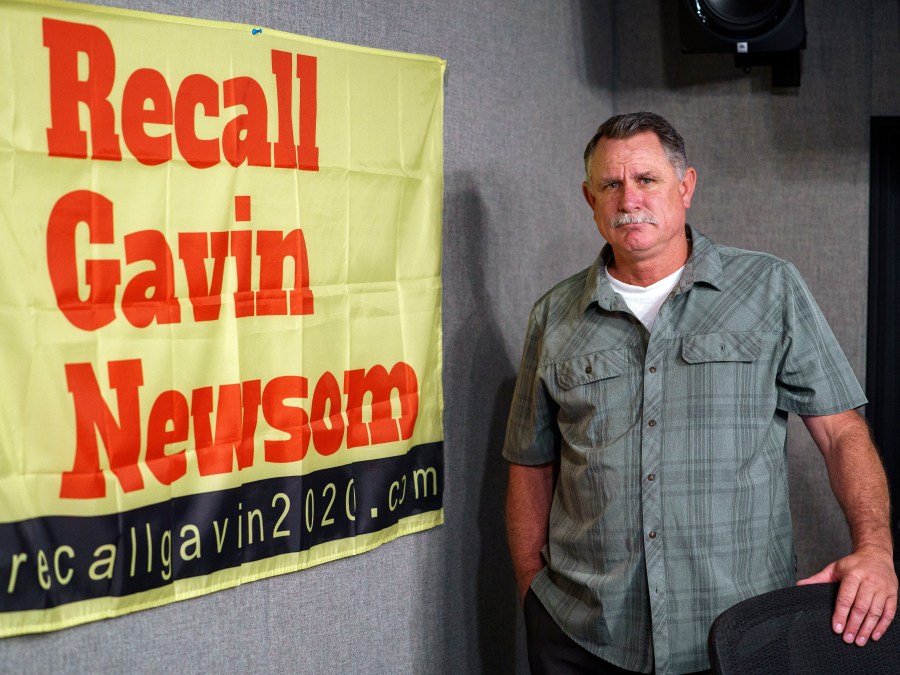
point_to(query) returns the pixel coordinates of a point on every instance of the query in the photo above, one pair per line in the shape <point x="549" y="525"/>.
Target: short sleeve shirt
<point x="671" y="502"/>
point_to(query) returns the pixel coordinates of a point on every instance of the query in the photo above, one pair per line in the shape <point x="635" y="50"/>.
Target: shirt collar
<point x="703" y="266"/>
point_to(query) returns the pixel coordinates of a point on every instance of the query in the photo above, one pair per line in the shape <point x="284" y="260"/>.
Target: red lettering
<point x="122" y="440"/>
<point x="146" y="84"/>
<point x="196" y="90"/>
<point x="242" y="250"/>
<point x="236" y="418"/>
<point x="290" y="419"/>
<point x="244" y="138"/>
<point x="236" y="413"/>
<point x="273" y="248"/>
<point x="307" y="151"/>
<point x="378" y="383"/>
<point x="102" y="276"/>
<point x="327" y="437"/>
<point x="150" y="295"/>
<point x="194" y="248"/>
<point x="170" y="408"/>
<point x="65" y="138"/>
<point x="285" y="151"/>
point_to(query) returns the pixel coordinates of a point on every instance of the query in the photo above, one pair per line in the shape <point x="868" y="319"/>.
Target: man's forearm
<point x="867" y="597"/>
<point x="528" y="499"/>
<point x="857" y="478"/>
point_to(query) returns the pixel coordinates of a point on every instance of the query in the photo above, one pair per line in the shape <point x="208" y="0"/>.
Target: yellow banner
<point x="220" y="305"/>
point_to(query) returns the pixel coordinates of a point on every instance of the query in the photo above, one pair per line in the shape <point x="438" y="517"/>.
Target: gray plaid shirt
<point x="672" y="498"/>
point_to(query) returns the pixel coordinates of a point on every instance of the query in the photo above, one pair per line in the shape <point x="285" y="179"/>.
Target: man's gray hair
<point x="620" y="127"/>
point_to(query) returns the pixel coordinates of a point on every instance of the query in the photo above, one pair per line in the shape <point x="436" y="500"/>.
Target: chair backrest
<point x="788" y="632"/>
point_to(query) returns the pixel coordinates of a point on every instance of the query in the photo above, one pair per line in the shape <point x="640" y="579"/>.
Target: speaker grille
<point x="741" y="19"/>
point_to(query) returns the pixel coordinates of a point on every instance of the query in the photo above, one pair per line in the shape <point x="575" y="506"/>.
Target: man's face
<point x="638" y="202"/>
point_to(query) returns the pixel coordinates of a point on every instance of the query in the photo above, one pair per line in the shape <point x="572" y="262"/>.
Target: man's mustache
<point x="632" y="219"/>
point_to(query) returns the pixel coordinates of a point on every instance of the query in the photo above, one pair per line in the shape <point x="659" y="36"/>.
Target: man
<point x="646" y="440"/>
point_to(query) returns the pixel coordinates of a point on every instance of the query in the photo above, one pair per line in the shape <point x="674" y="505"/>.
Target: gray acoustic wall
<point x="528" y="82"/>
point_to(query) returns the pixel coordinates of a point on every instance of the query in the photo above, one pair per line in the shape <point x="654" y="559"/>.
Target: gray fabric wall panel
<point x="885" y="47"/>
<point x="528" y="82"/>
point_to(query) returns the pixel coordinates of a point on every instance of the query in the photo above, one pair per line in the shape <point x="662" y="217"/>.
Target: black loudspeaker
<point x="757" y="32"/>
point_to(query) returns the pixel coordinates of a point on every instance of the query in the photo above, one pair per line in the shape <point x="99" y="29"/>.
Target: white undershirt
<point x="645" y="301"/>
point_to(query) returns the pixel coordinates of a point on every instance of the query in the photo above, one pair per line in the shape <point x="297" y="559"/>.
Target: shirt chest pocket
<point x="723" y="372"/>
<point x="598" y="395"/>
<point x="721" y="348"/>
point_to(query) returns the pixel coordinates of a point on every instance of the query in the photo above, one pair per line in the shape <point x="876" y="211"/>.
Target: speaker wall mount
<point x="758" y="33"/>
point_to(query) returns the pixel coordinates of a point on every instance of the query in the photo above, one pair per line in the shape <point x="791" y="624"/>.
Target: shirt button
<point x="588" y="370"/>
<point x="651" y="423"/>
<point x="652" y="476"/>
<point x="652" y="369"/>
<point x="652" y="534"/>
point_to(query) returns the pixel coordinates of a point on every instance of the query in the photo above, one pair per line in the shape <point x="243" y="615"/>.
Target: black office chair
<point x="788" y="632"/>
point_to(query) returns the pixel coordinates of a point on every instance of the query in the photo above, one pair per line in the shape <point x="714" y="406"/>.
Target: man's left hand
<point x="867" y="597"/>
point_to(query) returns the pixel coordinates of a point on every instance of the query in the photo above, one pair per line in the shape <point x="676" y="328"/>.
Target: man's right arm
<point x="528" y="498"/>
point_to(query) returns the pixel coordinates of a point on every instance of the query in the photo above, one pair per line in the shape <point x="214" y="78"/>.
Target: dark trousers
<point x="552" y="652"/>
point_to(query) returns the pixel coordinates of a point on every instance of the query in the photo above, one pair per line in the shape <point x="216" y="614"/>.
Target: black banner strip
<point x="54" y="560"/>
